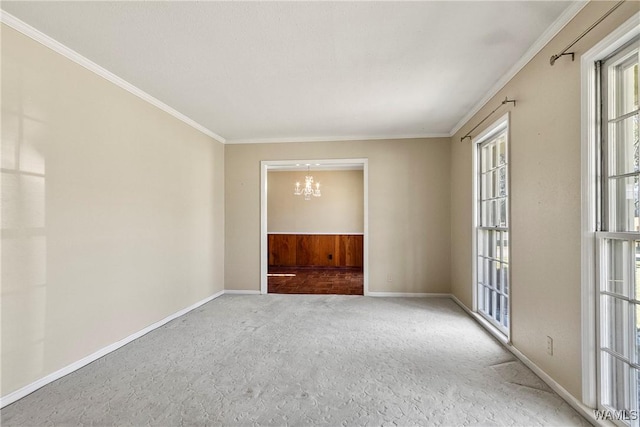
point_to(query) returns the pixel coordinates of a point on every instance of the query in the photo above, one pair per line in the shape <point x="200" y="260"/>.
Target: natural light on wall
<point x="24" y="243"/>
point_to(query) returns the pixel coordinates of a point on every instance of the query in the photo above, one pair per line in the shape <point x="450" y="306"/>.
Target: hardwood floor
<point x="316" y="280"/>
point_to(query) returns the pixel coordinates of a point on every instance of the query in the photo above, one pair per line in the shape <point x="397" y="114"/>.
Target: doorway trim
<point x="265" y="165"/>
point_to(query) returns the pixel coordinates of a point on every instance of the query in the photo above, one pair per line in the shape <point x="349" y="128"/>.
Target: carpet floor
<point x="302" y="360"/>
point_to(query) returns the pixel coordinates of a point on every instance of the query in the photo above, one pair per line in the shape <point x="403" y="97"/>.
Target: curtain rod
<point x="506" y="101"/>
<point x="564" y="51"/>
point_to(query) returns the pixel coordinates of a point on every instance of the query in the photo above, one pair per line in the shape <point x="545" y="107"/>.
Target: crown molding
<point x="333" y="138"/>
<point x="566" y="16"/>
<point x="74" y="56"/>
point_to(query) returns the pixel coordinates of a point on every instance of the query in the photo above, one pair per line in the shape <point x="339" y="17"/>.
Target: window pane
<point x="505" y="273"/>
<point x="489" y="307"/>
<point x="627" y="91"/>
<point x="487" y="185"/>
<point x="492" y="272"/>
<point x="624" y="203"/>
<point x="485" y="297"/>
<point x="486" y="277"/>
<point x="505" y="319"/>
<point x="502" y="207"/>
<point x="482" y="242"/>
<point x="484" y="215"/>
<point x="505" y="310"/>
<point x="616" y="377"/>
<point x="637" y="386"/>
<point x="623" y="140"/>
<point x="636" y="253"/>
<point x="483" y="247"/>
<point x="485" y="163"/>
<point x="485" y="244"/>
<point x="617" y="256"/>
<point x="498" y="283"/>
<point x="494" y="155"/>
<point x="502" y="181"/>
<point x="505" y="246"/>
<point x="615" y="316"/>
<point x="636" y="332"/>
<point x="502" y="149"/>
<point x="491" y="213"/>
<point x="487" y="300"/>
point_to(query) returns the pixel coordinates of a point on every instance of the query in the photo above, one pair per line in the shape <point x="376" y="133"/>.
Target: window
<point x="492" y="226"/>
<point x="618" y="240"/>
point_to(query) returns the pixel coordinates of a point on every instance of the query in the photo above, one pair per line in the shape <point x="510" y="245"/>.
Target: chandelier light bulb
<point x="308" y="189"/>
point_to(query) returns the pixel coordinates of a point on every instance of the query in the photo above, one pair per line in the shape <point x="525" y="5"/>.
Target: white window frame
<point x="503" y="123"/>
<point x="589" y="178"/>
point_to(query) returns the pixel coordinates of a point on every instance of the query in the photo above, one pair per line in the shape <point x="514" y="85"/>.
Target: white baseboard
<point x="580" y="407"/>
<point x="483" y="322"/>
<point x="562" y="392"/>
<point x="28" y="389"/>
<point x="462" y="306"/>
<point x="407" y="294"/>
<point x="241" y="292"/>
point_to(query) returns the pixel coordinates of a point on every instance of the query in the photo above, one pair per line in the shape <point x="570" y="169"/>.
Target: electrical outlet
<point x="550" y="346"/>
<point x="389" y="278"/>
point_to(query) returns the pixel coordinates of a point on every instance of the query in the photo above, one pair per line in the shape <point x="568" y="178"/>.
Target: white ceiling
<point x="261" y="71"/>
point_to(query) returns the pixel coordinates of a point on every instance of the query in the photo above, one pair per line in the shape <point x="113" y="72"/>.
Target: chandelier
<point x="308" y="190"/>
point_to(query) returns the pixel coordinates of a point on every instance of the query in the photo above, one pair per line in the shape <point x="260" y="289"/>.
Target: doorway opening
<point x="317" y="246"/>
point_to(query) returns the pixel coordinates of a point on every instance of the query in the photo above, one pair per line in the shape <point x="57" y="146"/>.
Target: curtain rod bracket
<point x="602" y="18"/>
<point x="556" y="57"/>
<point x="506" y="101"/>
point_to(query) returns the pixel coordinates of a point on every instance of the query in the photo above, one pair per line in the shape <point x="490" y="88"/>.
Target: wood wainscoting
<point x="315" y="250"/>
<point x="315" y="264"/>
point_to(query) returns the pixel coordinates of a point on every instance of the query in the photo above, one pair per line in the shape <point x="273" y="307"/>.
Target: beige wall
<point x="408" y="209"/>
<point x="545" y="200"/>
<point x="112" y="213"/>
<point x="340" y="209"/>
